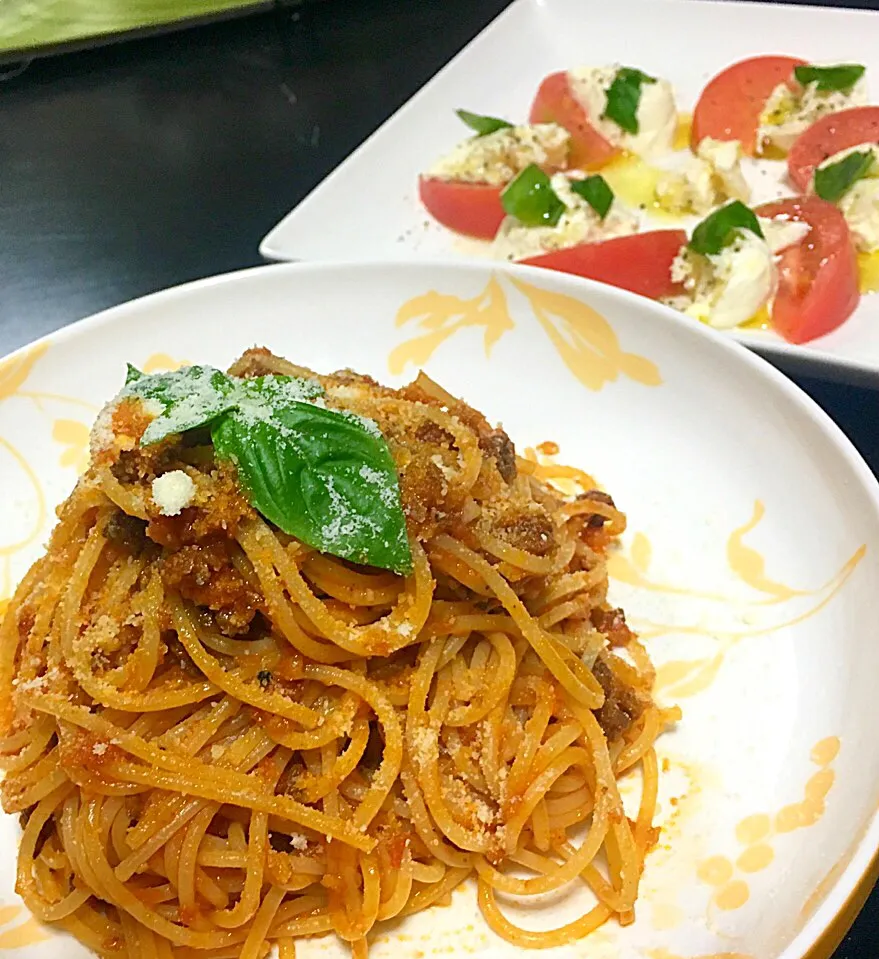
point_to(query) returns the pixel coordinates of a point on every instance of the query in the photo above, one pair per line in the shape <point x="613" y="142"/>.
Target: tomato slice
<point x="817" y="277"/>
<point x="829" y="135"/>
<point x="729" y="107"/>
<point x="471" y="208"/>
<point x="555" y="103"/>
<point x="640" y="263"/>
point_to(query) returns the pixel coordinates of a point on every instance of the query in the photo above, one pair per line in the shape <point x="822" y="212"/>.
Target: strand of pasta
<point x="168" y="771"/>
<point x="579" y="683"/>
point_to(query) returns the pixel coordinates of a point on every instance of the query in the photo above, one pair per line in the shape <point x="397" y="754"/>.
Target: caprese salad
<point x="543" y="192"/>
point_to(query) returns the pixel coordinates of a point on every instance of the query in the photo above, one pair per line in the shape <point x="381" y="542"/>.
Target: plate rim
<point x="825" y="928"/>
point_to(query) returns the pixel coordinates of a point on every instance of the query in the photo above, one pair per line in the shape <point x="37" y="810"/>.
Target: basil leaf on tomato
<point x="719" y="229"/>
<point x="839" y="78"/>
<point x="531" y="199"/>
<point x="483" y="125"/>
<point x="624" y="98"/>
<point x="596" y="192"/>
<point x="832" y="182"/>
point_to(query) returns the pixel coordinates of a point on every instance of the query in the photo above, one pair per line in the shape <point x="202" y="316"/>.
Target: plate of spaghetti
<point x="427" y="609"/>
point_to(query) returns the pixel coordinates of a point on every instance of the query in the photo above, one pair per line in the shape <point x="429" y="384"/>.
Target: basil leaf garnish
<point x="185" y="399"/>
<point x="596" y="192"/>
<point x="720" y="228"/>
<point x="624" y="97"/>
<point x="531" y="199"/>
<point x="841" y="77"/>
<point x="483" y="125"/>
<point x="259" y="396"/>
<point x="322" y="477"/>
<point x="834" y="181"/>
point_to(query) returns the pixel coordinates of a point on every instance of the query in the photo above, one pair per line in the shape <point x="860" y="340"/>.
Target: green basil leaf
<point x="185" y="399"/>
<point x="132" y="374"/>
<point x="596" y="192"/>
<point x="720" y="228"/>
<point x="841" y="77"/>
<point x="483" y="125"/>
<point x="531" y="199"/>
<point x="194" y="396"/>
<point x="624" y="97"/>
<point x="834" y="181"/>
<point x="326" y="477"/>
<point x="260" y="396"/>
<point x="323" y="477"/>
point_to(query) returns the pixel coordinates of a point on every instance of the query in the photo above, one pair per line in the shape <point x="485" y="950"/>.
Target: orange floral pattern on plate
<point x="683" y="678"/>
<point x="583" y="338"/>
<point x="17" y="935"/>
<point x="757" y="833"/>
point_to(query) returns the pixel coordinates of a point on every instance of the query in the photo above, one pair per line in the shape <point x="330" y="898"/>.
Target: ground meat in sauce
<point x="612" y="622"/>
<point x="259" y="361"/>
<point x="220" y="516"/>
<point x="176" y="654"/>
<point x="622" y="705"/>
<point x="529" y="531"/>
<point x="126" y="531"/>
<point x="143" y="464"/>
<point x="434" y="434"/>
<point x="205" y="574"/>
<point x="280" y="842"/>
<point x="596" y="520"/>
<point x="262" y="362"/>
<point x="494" y="442"/>
<point x="130" y="463"/>
<point x="500" y="448"/>
<point x="422" y="490"/>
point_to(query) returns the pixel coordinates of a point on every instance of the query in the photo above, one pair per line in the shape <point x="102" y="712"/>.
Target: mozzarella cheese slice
<point x="781" y="233"/>
<point x="860" y="204"/>
<point x="578" y="224"/>
<point x="657" y="114"/>
<point x="860" y="207"/>
<point x="709" y="179"/>
<point x="789" y="112"/>
<point x="728" y="288"/>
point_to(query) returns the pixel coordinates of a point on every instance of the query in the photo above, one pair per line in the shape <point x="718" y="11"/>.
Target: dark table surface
<point x="143" y="165"/>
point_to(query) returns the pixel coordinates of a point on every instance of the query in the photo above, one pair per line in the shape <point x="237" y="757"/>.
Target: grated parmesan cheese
<point x="101" y="437"/>
<point x="384" y="485"/>
<point x="423" y="743"/>
<point x="173" y="492"/>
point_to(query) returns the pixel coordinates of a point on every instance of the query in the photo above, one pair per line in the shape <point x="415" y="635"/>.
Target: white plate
<point x="368" y="208"/>
<point x="749" y="517"/>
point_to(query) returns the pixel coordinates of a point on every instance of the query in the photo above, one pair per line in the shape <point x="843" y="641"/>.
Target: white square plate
<point x="368" y="208"/>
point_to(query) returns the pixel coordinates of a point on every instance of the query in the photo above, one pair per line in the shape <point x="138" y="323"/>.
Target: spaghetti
<point x="220" y="739"/>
